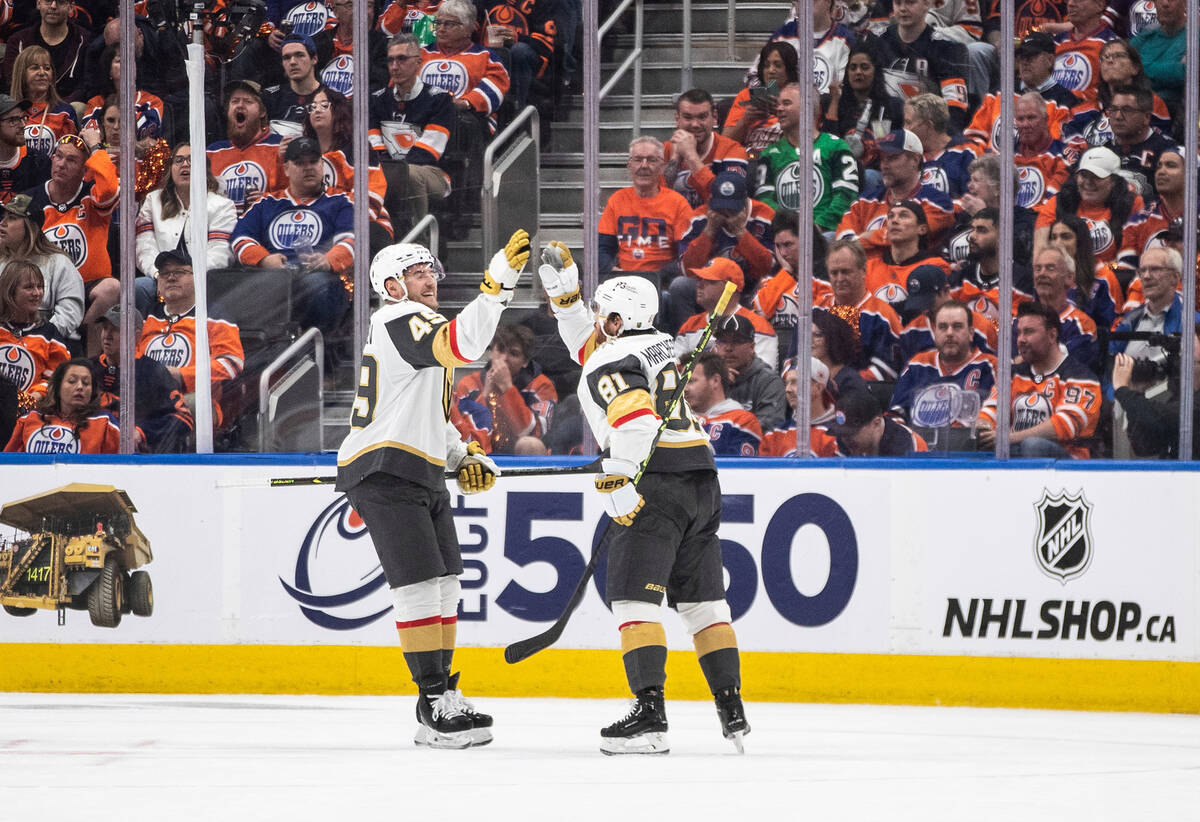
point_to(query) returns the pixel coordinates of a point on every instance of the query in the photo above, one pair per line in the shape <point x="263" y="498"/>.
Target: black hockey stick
<point x="525" y="648"/>
<point x="531" y="471"/>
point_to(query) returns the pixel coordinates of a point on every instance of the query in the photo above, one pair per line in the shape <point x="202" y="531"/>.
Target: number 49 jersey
<point x="625" y="390"/>
<point x="400" y="423"/>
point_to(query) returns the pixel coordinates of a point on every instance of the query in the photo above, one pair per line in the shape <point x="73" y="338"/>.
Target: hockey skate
<point x="481" y="724"/>
<point x="440" y="723"/>
<point x="642" y="731"/>
<point x="733" y="716"/>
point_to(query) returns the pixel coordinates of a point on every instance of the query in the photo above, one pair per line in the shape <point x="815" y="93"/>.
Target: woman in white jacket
<point x="163" y="223"/>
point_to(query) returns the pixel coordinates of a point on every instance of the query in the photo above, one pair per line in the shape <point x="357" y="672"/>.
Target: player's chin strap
<point x="525" y="648"/>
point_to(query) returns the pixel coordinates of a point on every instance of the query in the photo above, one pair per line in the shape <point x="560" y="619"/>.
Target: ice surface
<point x="152" y="757"/>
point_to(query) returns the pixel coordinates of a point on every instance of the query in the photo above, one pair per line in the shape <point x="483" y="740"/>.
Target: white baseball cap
<point x="1101" y="161"/>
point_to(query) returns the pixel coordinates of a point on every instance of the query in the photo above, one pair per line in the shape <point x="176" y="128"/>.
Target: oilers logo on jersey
<point x="295" y="228"/>
<point x="787" y="187"/>
<point x="1073" y="71"/>
<point x="1031" y="408"/>
<point x="933" y="407"/>
<point x="339" y="75"/>
<point x="52" y="439"/>
<point x="935" y="176"/>
<point x="821" y="72"/>
<point x="171" y="349"/>
<point x="17" y="366"/>
<point x="1031" y="186"/>
<point x="308" y="18"/>
<point x="1102" y="235"/>
<point x="70" y="238"/>
<point x="39" y="138"/>
<point x="1142" y="16"/>
<point x="892" y="293"/>
<point x="241" y="177"/>
<point x="448" y="75"/>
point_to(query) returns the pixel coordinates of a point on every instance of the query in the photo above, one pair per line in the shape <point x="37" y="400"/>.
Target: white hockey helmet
<point x="634" y="298"/>
<point x="394" y="261"/>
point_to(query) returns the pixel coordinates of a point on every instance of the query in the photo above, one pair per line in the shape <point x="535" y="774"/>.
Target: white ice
<point x="232" y="758"/>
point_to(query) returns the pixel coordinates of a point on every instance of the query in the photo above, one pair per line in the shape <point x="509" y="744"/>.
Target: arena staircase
<point x="563" y="160"/>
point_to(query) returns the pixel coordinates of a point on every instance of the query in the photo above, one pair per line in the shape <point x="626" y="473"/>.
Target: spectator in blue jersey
<point x="863" y="430"/>
<point x="753" y="383"/>
<point x="305" y="228"/>
<point x="947" y="160"/>
<point x="412" y="122"/>
<point x="732" y="430"/>
<point x="954" y="359"/>
<point x="1053" y="277"/>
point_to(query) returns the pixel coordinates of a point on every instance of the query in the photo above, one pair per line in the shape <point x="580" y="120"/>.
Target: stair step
<point x="718" y="78"/>
<point x="705" y="47"/>
<point x="712" y="18"/>
<point x="614" y="137"/>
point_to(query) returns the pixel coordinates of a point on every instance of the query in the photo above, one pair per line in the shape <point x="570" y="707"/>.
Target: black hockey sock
<point x="716" y="646"/>
<point x="426" y="668"/>
<point x="644" y="647"/>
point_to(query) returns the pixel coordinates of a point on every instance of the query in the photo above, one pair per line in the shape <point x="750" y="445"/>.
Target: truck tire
<point x="141" y="594"/>
<point x="106" y="596"/>
<point x="13" y="610"/>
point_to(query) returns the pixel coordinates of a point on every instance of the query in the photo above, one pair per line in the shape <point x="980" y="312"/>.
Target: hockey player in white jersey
<point x="392" y="464"/>
<point x="663" y="540"/>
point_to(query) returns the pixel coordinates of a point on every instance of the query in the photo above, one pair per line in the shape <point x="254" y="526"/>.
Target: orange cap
<point x="722" y="269"/>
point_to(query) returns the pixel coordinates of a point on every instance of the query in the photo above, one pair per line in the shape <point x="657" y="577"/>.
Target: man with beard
<point x="976" y="281"/>
<point x="20" y="168"/>
<point x="1146" y="228"/>
<point x="696" y="155"/>
<point x="953" y="359"/>
<point x="246" y="164"/>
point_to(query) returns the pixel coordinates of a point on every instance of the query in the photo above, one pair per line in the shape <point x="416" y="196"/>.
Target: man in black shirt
<point x="20" y="168"/>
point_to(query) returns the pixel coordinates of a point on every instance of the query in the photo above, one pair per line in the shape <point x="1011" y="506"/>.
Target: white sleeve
<point x="475" y="326"/>
<point x="145" y="242"/>
<point x="576" y="326"/>
<point x="456" y="449"/>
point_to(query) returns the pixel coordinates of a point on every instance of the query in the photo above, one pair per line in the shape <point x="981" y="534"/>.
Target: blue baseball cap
<point x="304" y="40"/>
<point x="899" y="141"/>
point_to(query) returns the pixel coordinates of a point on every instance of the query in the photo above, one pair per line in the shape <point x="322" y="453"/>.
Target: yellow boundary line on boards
<point x="1069" y="684"/>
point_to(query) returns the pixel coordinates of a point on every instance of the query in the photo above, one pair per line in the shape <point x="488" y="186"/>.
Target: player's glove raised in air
<point x="476" y="471"/>
<point x="560" y="276"/>
<point x="504" y="270"/>
<point x="621" y="498"/>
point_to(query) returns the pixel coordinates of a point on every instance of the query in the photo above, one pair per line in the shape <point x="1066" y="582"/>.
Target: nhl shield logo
<point x="1062" y="543"/>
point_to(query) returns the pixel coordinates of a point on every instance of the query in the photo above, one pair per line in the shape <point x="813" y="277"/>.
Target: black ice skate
<point x="481" y="724"/>
<point x="440" y="722"/>
<point x="642" y="731"/>
<point x="733" y="716"/>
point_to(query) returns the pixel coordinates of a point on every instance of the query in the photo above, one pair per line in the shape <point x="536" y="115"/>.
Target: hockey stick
<point x="525" y="648"/>
<point x="531" y="471"/>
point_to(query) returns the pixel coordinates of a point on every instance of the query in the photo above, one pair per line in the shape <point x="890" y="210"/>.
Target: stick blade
<point x="522" y="649"/>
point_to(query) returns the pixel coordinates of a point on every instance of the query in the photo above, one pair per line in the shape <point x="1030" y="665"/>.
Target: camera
<point x="1160" y="365"/>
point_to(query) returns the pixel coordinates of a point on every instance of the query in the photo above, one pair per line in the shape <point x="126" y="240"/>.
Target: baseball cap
<point x="22" y="205"/>
<point x="899" y="141"/>
<point x="916" y="208"/>
<point x="7" y="104"/>
<point x="113" y="315"/>
<point x="302" y="39"/>
<point x="855" y="409"/>
<point x="302" y="147"/>
<point x="819" y="372"/>
<point x="243" y="85"/>
<point x="728" y="191"/>
<point x="1101" y="161"/>
<point x="722" y="269"/>
<point x="1035" y="42"/>
<point x="924" y="282"/>
<point x="735" y="328"/>
<point x="172" y="256"/>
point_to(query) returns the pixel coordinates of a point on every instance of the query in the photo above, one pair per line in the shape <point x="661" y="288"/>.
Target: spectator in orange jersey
<point x="1039" y="157"/>
<point x="1098" y="193"/>
<point x="247" y="163"/>
<point x="751" y="121"/>
<point x="776" y="298"/>
<point x="30" y="347"/>
<point x="48" y="117"/>
<point x="69" y="419"/>
<point x="1077" y="50"/>
<point x="20" y="168"/>
<point x="732" y="430"/>
<point x="753" y="383"/>
<point x="696" y="155"/>
<point x="1055" y="398"/>
<point x="520" y="399"/>
<point x="169" y="334"/>
<point x="907" y="232"/>
<point x="641" y="225"/>
<point x="863" y="430"/>
<point x="455" y="63"/>
<point x="527" y="30"/>
<point x="1147" y="227"/>
<point x="56" y="30"/>
<point x="77" y="206"/>
<point x="710" y="283"/>
<point x="781" y="442"/>
<point x="330" y="121"/>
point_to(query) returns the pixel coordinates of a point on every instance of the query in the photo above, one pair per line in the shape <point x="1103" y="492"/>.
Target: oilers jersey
<point x="732" y="430"/>
<point x="80" y="226"/>
<point x="281" y="224"/>
<point x="473" y="75"/>
<point x="835" y="178"/>
<point x="977" y="374"/>
<point x="29" y="355"/>
<point x="239" y="170"/>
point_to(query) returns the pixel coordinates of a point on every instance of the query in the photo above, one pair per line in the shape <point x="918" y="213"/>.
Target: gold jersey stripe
<point x="443" y="351"/>
<point x="399" y="446"/>
<point x="642" y="635"/>
<point x="421" y="638"/>
<point x="625" y="404"/>
<point x="715" y="638"/>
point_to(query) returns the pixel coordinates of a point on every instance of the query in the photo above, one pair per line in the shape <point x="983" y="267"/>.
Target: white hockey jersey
<point x="624" y="391"/>
<point x="400" y="423"/>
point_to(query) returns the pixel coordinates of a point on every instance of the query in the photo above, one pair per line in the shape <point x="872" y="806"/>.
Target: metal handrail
<point x="312" y="335"/>
<point x="634" y="60"/>
<point x="731" y="34"/>
<point x="487" y="193"/>
<point x="427" y="222"/>
<point x="685" y="70"/>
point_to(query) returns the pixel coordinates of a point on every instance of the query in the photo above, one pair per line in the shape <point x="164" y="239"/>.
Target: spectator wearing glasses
<point x="413" y="122"/>
<point x="1138" y="143"/>
<point x="77" y="206"/>
<point x="48" y="117"/>
<point x="288" y="102"/>
<point x="1159" y="272"/>
<point x="20" y="168"/>
<point x="163" y="222"/>
<point x="455" y="63"/>
<point x="69" y="419"/>
<point x="63" y="40"/>
<point x="1120" y="66"/>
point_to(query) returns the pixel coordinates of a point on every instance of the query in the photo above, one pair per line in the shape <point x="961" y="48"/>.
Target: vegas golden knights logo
<point x="1062" y="543"/>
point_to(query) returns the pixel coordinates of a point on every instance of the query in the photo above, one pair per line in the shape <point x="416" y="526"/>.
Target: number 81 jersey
<point x="626" y="389"/>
